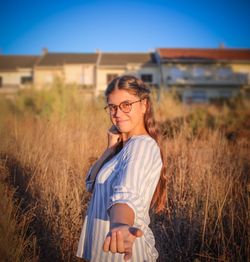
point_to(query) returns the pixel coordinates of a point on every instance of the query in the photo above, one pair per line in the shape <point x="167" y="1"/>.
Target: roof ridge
<point x="8" y="55"/>
<point x="70" y="53"/>
<point x="201" y="48"/>
<point x="126" y="52"/>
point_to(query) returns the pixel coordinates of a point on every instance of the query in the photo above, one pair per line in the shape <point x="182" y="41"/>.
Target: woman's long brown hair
<point x="136" y="86"/>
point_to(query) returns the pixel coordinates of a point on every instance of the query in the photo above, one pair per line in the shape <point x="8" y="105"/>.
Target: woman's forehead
<point x="118" y="96"/>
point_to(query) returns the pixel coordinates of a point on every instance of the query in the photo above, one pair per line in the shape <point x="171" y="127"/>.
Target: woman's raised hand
<point x="121" y="239"/>
<point x="114" y="136"/>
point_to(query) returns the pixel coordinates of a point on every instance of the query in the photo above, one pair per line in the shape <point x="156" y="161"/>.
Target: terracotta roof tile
<point x="203" y="54"/>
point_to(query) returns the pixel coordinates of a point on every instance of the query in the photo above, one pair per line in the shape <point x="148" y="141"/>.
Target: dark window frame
<point x="147" y="78"/>
<point x="26" y="80"/>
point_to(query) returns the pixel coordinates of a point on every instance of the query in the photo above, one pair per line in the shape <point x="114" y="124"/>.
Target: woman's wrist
<point x="114" y="225"/>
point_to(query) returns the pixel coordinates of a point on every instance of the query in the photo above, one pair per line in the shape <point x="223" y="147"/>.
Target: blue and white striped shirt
<point x="129" y="177"/>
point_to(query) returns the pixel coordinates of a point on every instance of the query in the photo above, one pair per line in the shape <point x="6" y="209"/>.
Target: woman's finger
<point x="128" y="254"/>
<point x="113" y="247"/>
<point x="120" y="243"/>
<point x="106" y="244"/>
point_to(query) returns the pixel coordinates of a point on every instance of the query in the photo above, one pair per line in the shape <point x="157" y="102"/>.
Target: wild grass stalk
<point x="52" y="136"/>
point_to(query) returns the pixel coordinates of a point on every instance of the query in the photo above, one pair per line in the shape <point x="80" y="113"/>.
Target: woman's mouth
<point x="121" y="121"/>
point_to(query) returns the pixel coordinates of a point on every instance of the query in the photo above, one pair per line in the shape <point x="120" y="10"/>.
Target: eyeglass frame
<point x="116" y="106"/>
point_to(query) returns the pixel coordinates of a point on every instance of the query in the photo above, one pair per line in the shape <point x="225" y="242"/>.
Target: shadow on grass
<point x="19" y="179"/>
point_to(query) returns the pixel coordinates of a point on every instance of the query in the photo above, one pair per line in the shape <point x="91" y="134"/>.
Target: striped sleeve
<point x="133" y="176"/>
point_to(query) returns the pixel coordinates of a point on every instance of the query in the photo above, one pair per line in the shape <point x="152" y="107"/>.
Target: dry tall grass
<point x="17" y="243"/>
<point x="50" y="138"/>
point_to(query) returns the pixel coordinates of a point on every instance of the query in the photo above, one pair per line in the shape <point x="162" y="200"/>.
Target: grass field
<point x="50" y="138"/>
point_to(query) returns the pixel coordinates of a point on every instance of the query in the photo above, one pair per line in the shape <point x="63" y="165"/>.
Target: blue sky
<point x="126" y="26"/>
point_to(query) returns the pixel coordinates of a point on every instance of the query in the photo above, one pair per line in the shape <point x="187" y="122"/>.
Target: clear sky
<point x="127" y="26"/>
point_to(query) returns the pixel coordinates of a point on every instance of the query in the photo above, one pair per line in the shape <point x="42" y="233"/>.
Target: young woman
<point x="126" y="181"/>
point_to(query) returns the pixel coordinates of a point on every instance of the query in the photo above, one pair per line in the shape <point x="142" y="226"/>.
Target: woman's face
<point x="130" y="123"/>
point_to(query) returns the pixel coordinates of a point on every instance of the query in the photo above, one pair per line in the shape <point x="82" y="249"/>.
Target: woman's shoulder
<point x="142" y="139"/>
<point x="141" y="142"/>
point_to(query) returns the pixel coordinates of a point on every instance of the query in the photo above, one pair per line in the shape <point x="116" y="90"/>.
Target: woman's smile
<point x="121" y="121"/>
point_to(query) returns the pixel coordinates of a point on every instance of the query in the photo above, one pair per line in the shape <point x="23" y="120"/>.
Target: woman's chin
<point x="123" y="130"/>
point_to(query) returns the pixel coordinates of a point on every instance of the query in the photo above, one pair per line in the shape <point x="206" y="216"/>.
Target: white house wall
<point x="101" y="84"/>
<point x="137" y="71"/>
<point x="201" y="75"/>
<point x="205" y="94"/>
<point x="79" y="74"/>
<point x="44" y="76"/>
<point x="88" y="75"/>
<point x="14" y="78"/>
<point x="154" y="71"/>
<point x="243" y="69"/>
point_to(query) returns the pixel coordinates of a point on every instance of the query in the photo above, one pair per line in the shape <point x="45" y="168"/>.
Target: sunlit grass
<point x="52" y="136"/>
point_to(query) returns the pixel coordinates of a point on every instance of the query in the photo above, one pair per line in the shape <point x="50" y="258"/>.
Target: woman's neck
<point x="126" y="137"/>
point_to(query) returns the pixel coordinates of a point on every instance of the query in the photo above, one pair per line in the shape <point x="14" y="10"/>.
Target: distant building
<point x="196" y="74"/>
<point x="16" y="71"/>
<point x="73" y="68"/>
<point x="200" y="75"/>
<point x="111" y="65"/>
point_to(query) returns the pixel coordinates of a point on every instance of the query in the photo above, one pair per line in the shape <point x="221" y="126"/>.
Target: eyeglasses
<point x="124" y="106"/>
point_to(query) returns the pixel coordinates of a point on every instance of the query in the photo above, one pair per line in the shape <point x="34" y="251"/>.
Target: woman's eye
<point x="111" y="108"/>
<point x="125" y="105"/>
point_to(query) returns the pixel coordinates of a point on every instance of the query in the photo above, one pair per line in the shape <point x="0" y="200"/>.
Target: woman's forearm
<point x="121" y="214"/>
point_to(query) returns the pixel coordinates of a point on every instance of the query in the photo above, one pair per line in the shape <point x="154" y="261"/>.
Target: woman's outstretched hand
<point x="121" y="239"/>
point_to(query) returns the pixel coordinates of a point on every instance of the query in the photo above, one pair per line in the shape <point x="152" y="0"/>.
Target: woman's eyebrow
<point x="120" y="103"/>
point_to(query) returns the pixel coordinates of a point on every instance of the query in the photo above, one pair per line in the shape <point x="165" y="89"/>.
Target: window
<point x="26" y="80"/>
<point x="224" y="72"/>
<point x="199" y="72"/>
<point x="147" y="78"/>
<point x="169" y="78"/>
<point x="175" y="73"/>
<point x="110" y="77"/>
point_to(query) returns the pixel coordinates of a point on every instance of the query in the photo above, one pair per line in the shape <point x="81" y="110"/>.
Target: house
<point x="73" y="68"/>
<point x="111" y="65"/>
<point x="200" y="75"/>
<point x="196" y="74"/>
<point x="16" y="71"/>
